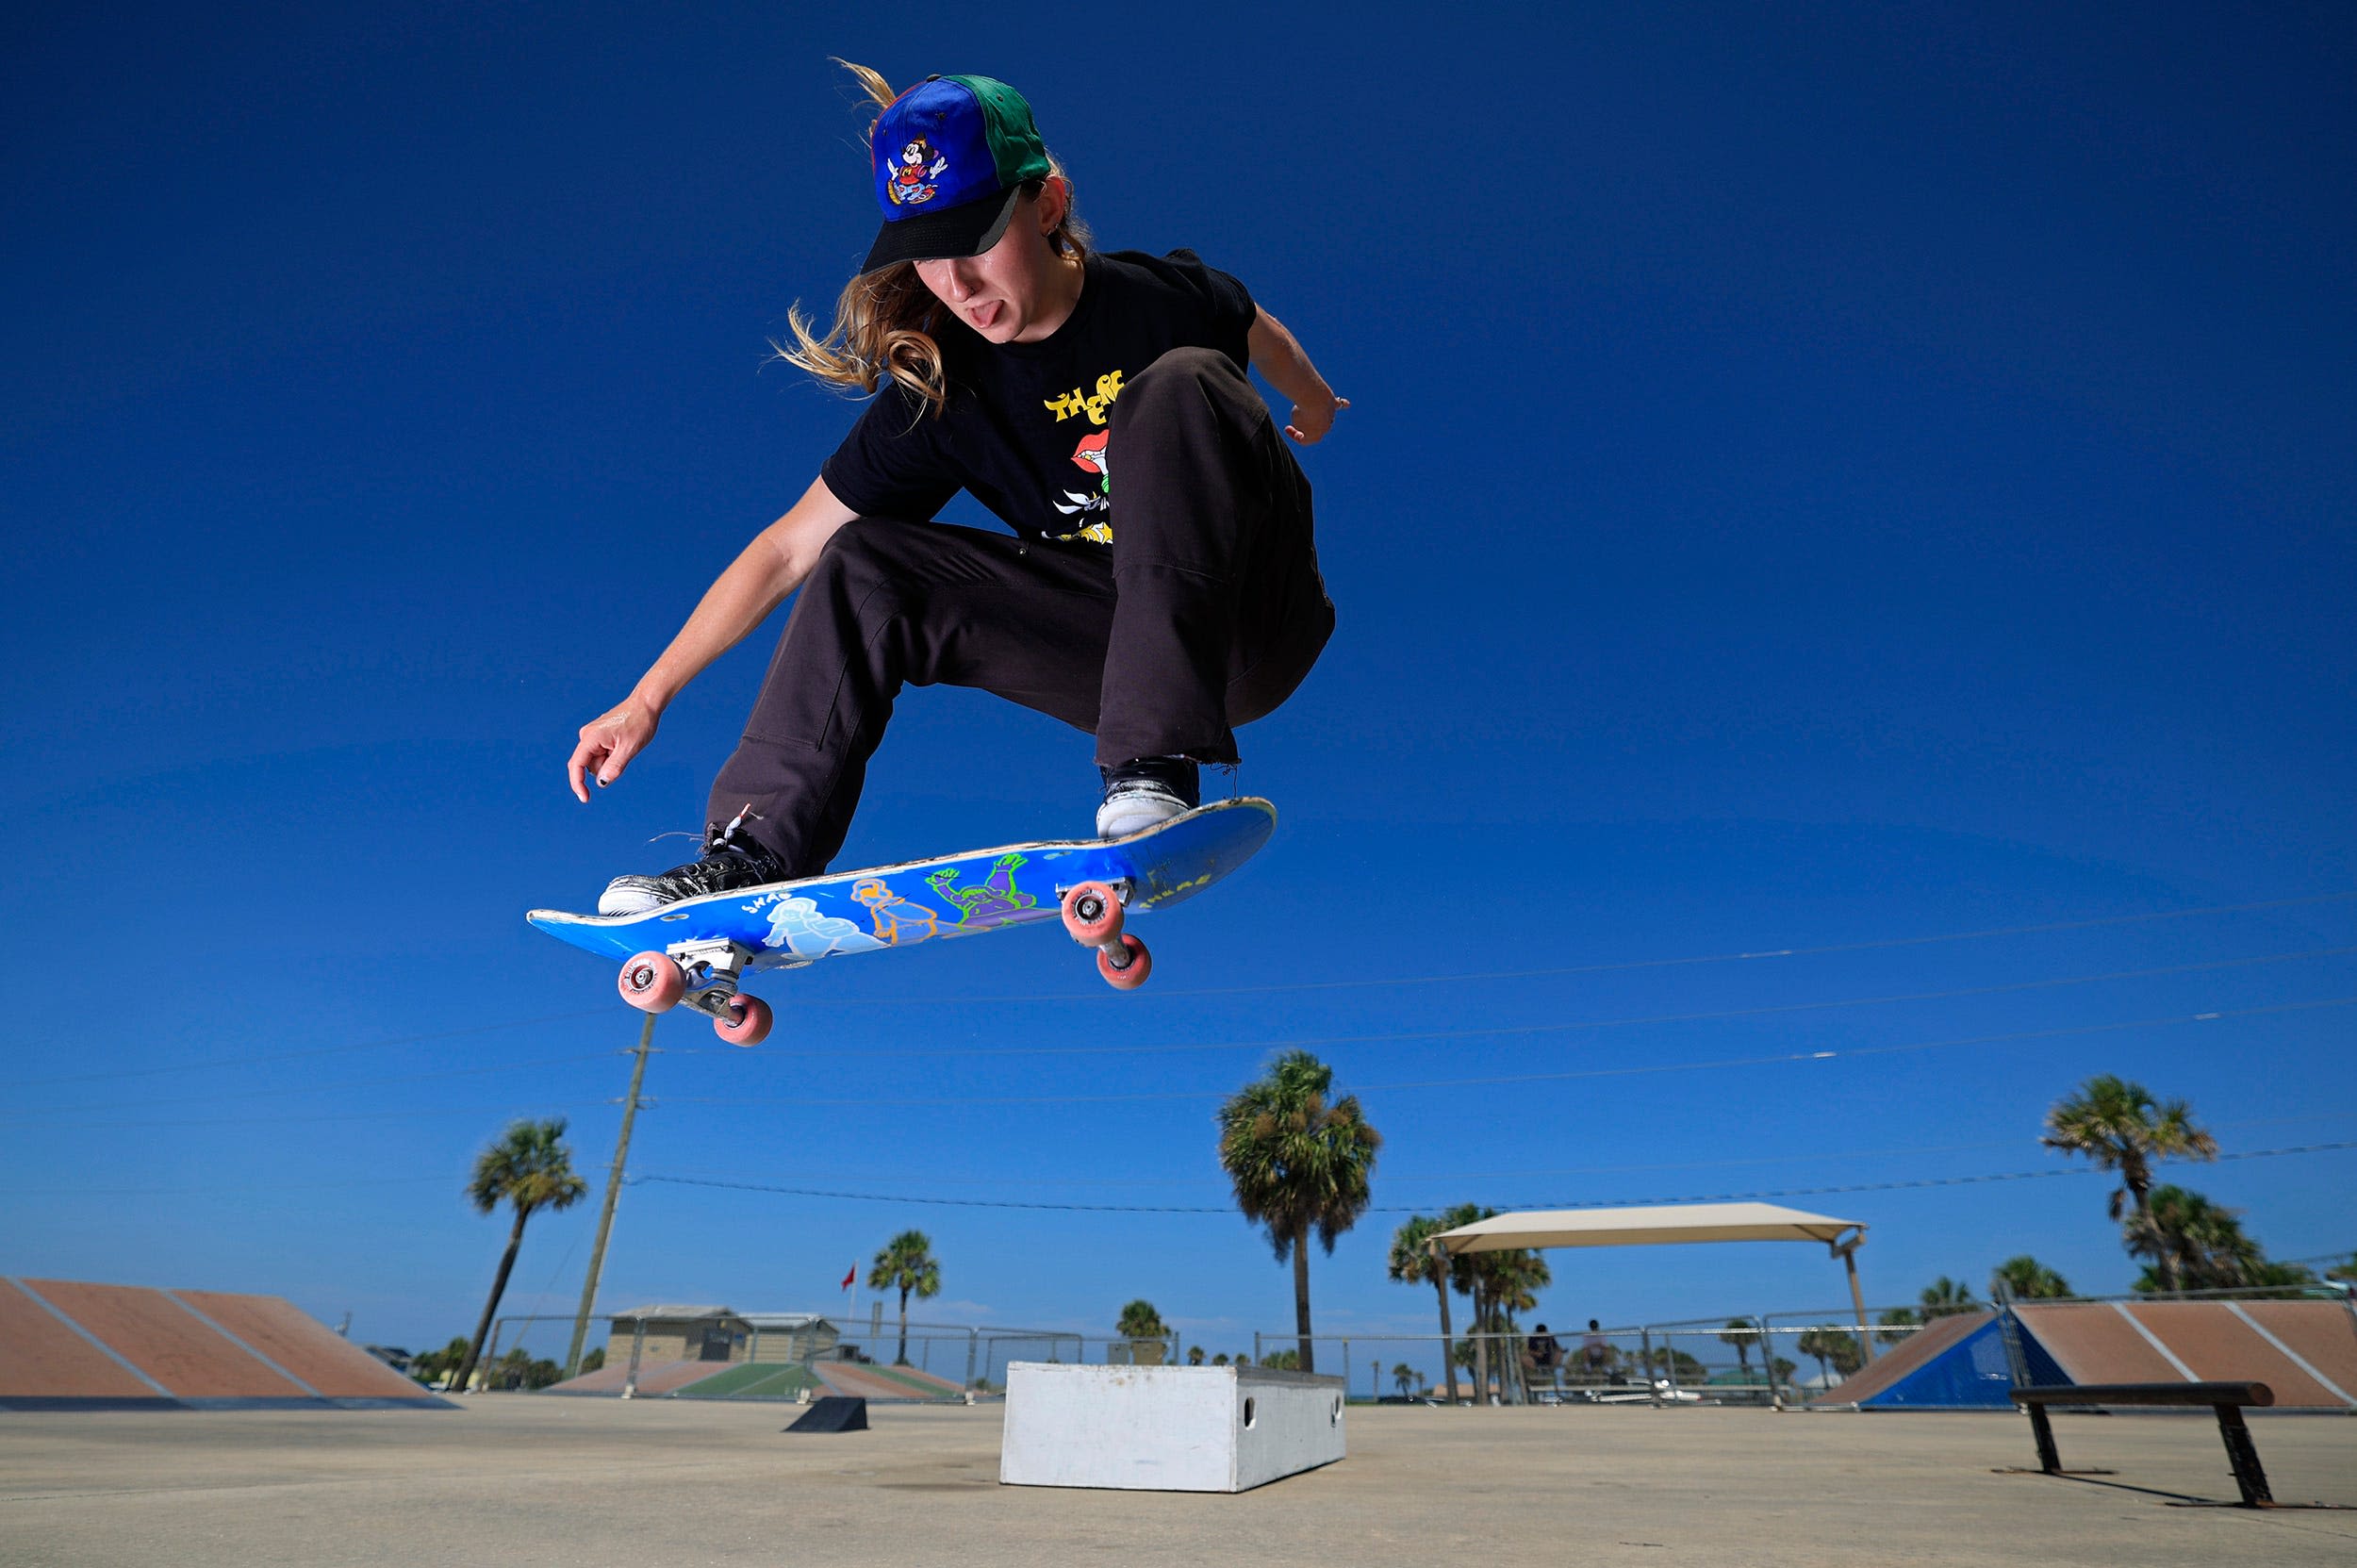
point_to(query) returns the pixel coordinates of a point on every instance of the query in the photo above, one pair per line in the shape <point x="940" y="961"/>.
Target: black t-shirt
<point x="1025" y="428"/>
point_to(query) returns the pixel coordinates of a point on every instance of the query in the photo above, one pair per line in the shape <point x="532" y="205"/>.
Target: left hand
<point x="1309" y="421"/>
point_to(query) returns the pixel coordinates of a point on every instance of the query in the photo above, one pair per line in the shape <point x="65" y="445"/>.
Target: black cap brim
<point x="967" y="230"/>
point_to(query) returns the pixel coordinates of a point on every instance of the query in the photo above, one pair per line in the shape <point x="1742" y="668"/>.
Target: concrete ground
<point x="513" y="1481"/>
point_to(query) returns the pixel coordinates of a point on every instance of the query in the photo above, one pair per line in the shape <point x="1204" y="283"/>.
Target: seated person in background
<point x="1546" y="1356"/>
<point x="1595" y="1352"/>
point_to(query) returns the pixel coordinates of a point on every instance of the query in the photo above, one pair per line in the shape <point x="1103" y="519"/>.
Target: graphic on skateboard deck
<point x="699" y="950"/>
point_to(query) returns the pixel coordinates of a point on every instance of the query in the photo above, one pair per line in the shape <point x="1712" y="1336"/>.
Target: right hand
<point x="608" y="742"/>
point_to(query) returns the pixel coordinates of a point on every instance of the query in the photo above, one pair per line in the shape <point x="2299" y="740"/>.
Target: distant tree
<point x="1220" y="1360"/>
<point x="2121" y="1127"/>
<point x="2346" y="1273"/>
<point x="1897" y="1324"/>
<point x="1412" y="1262"/>
<point x="1784" y="1370"/>
<point x="2202" y="1245"/>
<point x="1299" y="1166"/>
<point x="1739" y="1332"/>
<point x="1683" y="1364"/>
<point x="1946" y="1298"/>
<point x="1139" y="1320"/>
<point x="1195" y="1355"/>
<point x="2025" y="1279"/>
<point x="1282" y="1361"/>
<point x="1242" y="1360"/>
<point x="906" y="1264"/>
<point x="435" y="1365"/>
<point x="531" y="1169"/>
<point x="1403" y="1377"/>
<point x="1831" y="1346"/>
<point x="592" y="1361"/>
<point x="518" y="1369"/>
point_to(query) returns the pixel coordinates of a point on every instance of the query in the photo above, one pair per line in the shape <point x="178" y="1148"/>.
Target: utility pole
<point x="612" y="1192"/>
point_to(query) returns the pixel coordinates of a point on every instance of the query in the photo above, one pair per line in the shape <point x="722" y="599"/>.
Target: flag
<point x="849" y="1278"/>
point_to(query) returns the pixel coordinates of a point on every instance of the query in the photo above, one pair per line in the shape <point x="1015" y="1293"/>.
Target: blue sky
<point x="1812" y="481"/>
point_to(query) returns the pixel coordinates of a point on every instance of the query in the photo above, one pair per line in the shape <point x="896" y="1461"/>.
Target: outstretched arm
<point x="1278" y="355"/>
<point x="741" y="598"/>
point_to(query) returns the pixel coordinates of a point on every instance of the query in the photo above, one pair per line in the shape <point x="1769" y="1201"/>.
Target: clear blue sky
<point x="1812" y="480"/>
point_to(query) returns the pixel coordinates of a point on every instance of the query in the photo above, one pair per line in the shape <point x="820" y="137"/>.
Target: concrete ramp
<point x="70" y="1345"/>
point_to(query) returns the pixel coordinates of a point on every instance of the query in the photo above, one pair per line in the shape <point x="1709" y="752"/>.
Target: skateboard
<point x="699" y="950"/>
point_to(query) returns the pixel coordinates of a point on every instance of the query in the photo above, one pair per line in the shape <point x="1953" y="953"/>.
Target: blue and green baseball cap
<point x="951" y="154"/>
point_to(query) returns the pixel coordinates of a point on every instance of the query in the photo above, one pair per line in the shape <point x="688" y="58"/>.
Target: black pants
<point x="1205" y="613"/>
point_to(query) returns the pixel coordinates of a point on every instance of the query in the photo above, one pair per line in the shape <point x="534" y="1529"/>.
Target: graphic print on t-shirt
<point x="1090" y="510"/>
<point x="1093" y="455"/>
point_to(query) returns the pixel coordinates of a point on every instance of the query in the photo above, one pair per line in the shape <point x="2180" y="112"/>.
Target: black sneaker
<point x="731" y="860"/>
<point x="1140" y="794"/>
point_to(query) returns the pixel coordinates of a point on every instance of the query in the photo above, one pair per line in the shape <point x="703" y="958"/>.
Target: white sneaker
<point x="1135" y="807"/>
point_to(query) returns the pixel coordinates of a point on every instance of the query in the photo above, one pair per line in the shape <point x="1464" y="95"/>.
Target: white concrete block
<point x="1166" y="1428"/>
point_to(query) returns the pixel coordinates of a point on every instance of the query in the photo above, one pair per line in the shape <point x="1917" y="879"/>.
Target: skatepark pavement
<point x="516" y="1479"/>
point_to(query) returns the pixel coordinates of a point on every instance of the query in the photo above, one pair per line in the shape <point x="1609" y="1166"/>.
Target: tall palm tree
<point x="2121" y="1127"/>
<point x="1195" y="1355"/>
<point x="1512" y="1279"/>
<point x="1298" y="1165"/>
<point x="530" y="1168"/>
<point x="1403" y="1377"/>
<point x="2025" y="1279"/>
<point x="906" y="1264"/>
<point x="1946" y="1298"/>
<point x="1413" y="1262"/>
<point x="1467" y="1282"/>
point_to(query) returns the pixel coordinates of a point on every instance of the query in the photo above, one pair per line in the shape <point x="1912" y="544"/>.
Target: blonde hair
<point x="885" y="320"/>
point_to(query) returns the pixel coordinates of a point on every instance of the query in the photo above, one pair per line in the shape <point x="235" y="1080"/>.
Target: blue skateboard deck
<point x="790" y="924"/>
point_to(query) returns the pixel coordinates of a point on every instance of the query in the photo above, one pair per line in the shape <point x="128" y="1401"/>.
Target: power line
<point x="216" y="1063"/>
<point x="1721" y="1064"/>
<point x="1718" y="1016"/>
<point x="40" y="1112"/>
<point x="1619" y="967"/>
<point x="1559" y="1203"/>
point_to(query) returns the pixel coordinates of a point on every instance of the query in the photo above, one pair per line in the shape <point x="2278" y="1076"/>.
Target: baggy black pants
<point x="1205" y="613"/>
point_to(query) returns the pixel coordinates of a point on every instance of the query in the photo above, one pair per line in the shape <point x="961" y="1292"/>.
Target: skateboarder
<point x="1012" y="362"/>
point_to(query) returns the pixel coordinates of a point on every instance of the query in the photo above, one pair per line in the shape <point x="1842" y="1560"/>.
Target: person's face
<point x="1004" y="293"/>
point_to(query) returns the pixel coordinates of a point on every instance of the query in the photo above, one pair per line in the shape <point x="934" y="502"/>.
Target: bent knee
<point x="1176" y="368"/>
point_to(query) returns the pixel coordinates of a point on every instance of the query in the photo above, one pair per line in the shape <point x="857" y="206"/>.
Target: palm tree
<point x="1512" y="1279"/>
<point x="1896" y="1324"/>
<point x="1403" y="1378"/>
<point x="1220" y="1360"/>
<point x="1298" y="1165"/>
<point x="1413" y="1262"/>
<point x="2024" y="1279"/>
<point x="2121" y="1126"/>
<point x="1466" y="1280"/>
<point x="2202" y="1245"/>
<point x="906" y="1264"/>
<point x="2346" y="1273"/>
<point x="1739" y="1332"/>
<point x="1195" y="1355"/>
<point x="1143" y="1327"/>
<point x="530" y="1168"/>
<point x="1946" y="1298"/>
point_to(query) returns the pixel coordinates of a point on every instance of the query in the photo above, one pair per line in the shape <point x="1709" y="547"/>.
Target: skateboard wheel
<point x="1128" y="972"/>
<point x="651" y="983"/>
<point x="1092" y="912"/>
<point x="747" y="1022"/>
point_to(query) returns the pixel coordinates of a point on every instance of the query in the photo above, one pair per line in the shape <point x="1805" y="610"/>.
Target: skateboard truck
<point x="704" y="975"/>
<point x="1092" y="912"/>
